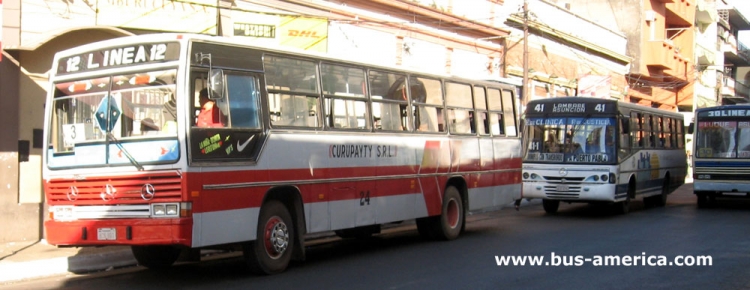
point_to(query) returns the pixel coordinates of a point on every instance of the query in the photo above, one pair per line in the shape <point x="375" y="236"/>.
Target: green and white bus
<point x="580" y="149"/>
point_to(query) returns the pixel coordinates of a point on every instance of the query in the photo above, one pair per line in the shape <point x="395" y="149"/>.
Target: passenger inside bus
<point x="210" y="115"/>
<point x="148" y="127"/>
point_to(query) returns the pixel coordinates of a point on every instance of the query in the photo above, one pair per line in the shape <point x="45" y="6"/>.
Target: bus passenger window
<point x="243" y="101"/>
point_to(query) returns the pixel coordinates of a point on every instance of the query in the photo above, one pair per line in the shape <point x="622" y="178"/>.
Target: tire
<point x="550" y="206"/>
<point x="272" y="250"/>
<point x="661" y="200"/>
<point x="623" y="207"/>
<point x="451" y="219"/>
<point x="155" y="257"/>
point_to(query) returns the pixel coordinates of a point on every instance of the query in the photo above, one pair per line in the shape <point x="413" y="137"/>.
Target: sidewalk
<point x="31" y="260"/>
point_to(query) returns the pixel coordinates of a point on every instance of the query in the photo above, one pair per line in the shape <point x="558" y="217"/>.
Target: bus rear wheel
<point x="450" y="223"/>
<point x="155" y="257"/>
<point x="452" y="217"/>
<point x="271" y="252"/>
<point x="661" y="199"/>
<point x="550" y="206"/>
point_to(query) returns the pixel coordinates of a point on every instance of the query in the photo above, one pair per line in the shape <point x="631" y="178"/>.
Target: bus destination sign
<point x="134" y="54"/>
<point x="725" y="113"/>
<point x="572" y="107"/>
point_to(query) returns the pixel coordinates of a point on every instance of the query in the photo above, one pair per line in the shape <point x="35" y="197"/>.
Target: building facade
<point x="735" y="81"/>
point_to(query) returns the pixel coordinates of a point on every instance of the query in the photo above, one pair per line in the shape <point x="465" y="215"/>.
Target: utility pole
<point x="525" y="81"/>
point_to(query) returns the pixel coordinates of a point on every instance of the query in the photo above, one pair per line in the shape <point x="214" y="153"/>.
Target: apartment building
<point x="732" y="75"/>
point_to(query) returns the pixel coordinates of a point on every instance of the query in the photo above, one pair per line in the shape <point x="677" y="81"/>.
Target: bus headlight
<point x="605" y="177"/>
<point x="172" y="209"/>
<point x="704" y="176"/>
<point x="525" y="175"/>
<point x="165" y="210"/>
<point x="612" y="178"/>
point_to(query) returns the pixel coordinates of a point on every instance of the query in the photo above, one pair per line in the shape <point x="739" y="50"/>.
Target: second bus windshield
<point x="571" y="140"/>
<point x="722" y="139"/>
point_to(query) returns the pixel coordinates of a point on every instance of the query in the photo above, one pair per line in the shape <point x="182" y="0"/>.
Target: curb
<point x="19" y="271"/>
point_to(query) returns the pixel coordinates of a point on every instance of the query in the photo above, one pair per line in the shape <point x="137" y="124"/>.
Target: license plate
<point x="562" y="187"/>
<point x="106" y="234"/>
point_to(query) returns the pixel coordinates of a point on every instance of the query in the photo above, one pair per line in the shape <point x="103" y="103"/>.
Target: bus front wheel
<point x="623" y="207"/>
<point x="271" y="251"/>
<point x="550" y="206"/>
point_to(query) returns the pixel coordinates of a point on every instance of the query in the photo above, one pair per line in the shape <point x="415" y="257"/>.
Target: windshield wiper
<point x="124" y="151"/>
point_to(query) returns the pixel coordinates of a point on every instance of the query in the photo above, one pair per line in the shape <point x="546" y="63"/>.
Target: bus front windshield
<point x="570" y="140"/>
<point x="722" y="139"/>
<point x="139" y="108"/>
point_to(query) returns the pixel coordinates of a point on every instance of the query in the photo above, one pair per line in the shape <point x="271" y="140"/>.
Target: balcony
<point x="706" y="12"/>
<point x="680" y="13"/>
<point x="733" y="92"/>
<point x="734" y="52"/>
<point x="663" y="55"/>
<point x="705" y="56"/>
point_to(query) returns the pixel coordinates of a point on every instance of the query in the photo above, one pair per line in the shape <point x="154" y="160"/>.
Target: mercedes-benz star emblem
<point x="148" y="191"/>
<point x="72" y="193"/>
<point x="563" y="171"/>
<point x="108" y="193"/>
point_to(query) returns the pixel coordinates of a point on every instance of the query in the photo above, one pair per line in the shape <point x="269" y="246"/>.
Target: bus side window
<point x="243" y="101"/>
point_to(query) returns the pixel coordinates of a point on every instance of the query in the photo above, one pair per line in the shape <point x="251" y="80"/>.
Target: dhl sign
<point x="304" y="32"/>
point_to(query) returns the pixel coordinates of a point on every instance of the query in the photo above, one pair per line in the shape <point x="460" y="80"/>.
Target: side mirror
<point x="216" y="84"/>
<point x="691" y="128"/>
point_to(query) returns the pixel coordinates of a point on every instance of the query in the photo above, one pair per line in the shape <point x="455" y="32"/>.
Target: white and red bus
<point x="302" y="144"/>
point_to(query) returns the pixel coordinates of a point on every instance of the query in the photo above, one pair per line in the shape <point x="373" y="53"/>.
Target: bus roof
<point x="186" y="38"/>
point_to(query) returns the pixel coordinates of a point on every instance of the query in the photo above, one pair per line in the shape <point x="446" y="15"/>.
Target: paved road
<point x="402" y="260"/>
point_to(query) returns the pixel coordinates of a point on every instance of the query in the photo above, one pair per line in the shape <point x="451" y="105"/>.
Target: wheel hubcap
<point x="452" y="213"/>
<point x="276" y="237"/>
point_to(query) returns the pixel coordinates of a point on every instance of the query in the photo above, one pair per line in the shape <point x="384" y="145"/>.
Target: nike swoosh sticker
<point x="242" y="146"/>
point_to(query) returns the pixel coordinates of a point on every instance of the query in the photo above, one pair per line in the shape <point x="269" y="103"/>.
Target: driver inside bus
<point x="552" y="145"/>
<point x="210" y="115"/>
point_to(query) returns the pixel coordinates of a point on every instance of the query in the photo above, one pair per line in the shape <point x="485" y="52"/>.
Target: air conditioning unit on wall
<point x="650" y="15"/>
